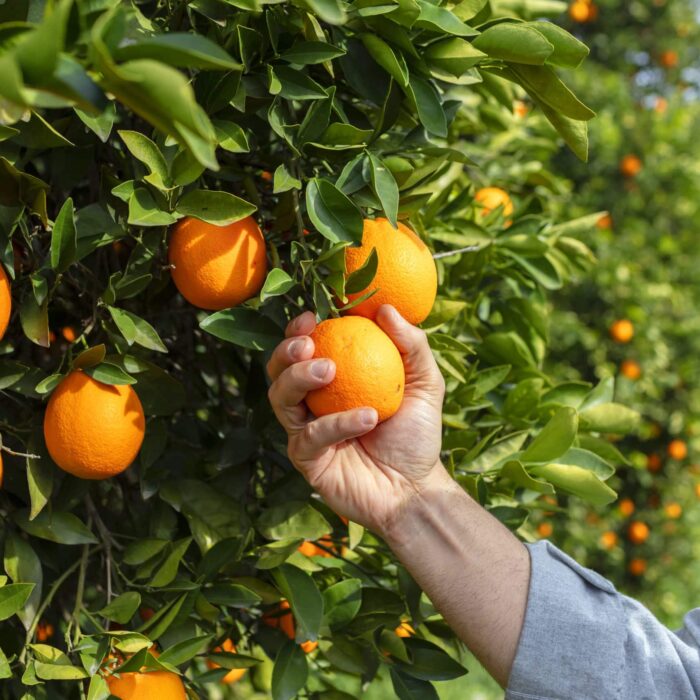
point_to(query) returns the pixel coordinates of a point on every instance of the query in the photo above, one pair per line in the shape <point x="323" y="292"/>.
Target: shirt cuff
<point x="572" y="643"/>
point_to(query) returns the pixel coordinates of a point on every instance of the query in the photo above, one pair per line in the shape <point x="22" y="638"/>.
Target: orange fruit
<point x="93" y="430"/>
<point x="311" y="549"/>
<point x="266" y="175"/>
<point x="608" y="539"/>
<point x="235" y="674"/>
<point x="146" y="613"/>
<point x="673" y="511"/>
<point x="631" y="370"/>
<point x="654" y="463"/>
<point x="630" y="165"/>
<point x="282" y="618"/>
<point x="668" y="59"/>
<point x="545" y="529"/>
<point x="44" y="631"/>
<point x="5" y="301"/>
<point x="69" y="334"/>
<point x="140" y="685"/>
<point x="491" y="198"/>
<point x="637" y="567"/>
<point x="369" y="368"/>
<point x="520" y="109"/>
<point x="697" y="490"/>
<point x="638" y="532"/>
<point x="660" y="105"/>
<point x="406" y="275"/>
<point x="622" y="331"/>
<point x="579" y="11"/>
<point x="677" y="449"/>
<point x="605" y="222"/>
<point x="592" y="12"/>
<point x="626" y="507"/>
<point x="216" y="267"/>
<point x="404" y="630"/>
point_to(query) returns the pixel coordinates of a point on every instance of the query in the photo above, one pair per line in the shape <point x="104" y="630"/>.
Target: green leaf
<point x="292" y="519"/>
<point x="515" y="471"/>
<point x="391" y="61"/>
<point x="361" y="278"/>
<point x="109" y="373"/>
<point x="311" y="52"/>
<point x="518" y="43"/>
<point x="64" y="238"/>
<point x="295" y="85"/>
<point x="23" y="566"/>
<point x="277" y="282"/>
<point x="429" y="662"/>
<point x="231" y="137"/>
<point x="181" y="652"/>
<point x="167" y="571"/>
<point x="441" y="20"/>
<point x="136" y="330"/>
<point x="122" y="608"/>
<point x="98" y="689"/>
<point x="55" y="526"/>
<point x="181" y="50"/>
<point x="290" y="672"/>
<point x="342" y="602"/>
<point x="13" y="597"/>
<point x="568" y="52"/>
<point x="244" y="327"/>
<point x="5" y="668"/>
<point x="428" y="105"/>
<point x="332" y="212"/>
<point x="609" y="418"/>
<point x="284" y="181"/>
<point x="145" y="150"/>
<point x="385" y="187"/>
<point x="555" y="438"/>
<point x="409" y="688"/>
<point x="304" y="598"/>
<point x="218" y="208"/>
<point x="576" y="480"/>
<point x="574" y="132"/>
<point x="40" y="472"/>
<point x="144" y="210"/>
<point x="142" y="550"/>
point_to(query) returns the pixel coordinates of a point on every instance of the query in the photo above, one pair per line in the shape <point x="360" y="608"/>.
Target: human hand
<point x="365" y="471"/>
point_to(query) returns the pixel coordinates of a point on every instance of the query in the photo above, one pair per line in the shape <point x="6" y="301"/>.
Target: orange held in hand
<point x="369" y="368"/>
<point x="5" y="301"/>
<point x="677" y="449"/>
<point x="216" y="267"/>
<point x="93" y="430"/>
<point x="622" y="331"/>
<point x="630" y="166"/>
<point x="638" y="532"/>
<point x="406" y="276"/>
<point x="235" y="674"/>
<point x="490" y="198"/>
<point x="282" y="619"/>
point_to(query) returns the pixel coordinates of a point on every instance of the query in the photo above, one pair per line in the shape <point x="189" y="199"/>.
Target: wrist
<point x="422" y="499"/>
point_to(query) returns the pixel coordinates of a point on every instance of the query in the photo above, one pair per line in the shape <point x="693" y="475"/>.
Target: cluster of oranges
<point x="622" y="332"/>
<point x="582" y="11"/>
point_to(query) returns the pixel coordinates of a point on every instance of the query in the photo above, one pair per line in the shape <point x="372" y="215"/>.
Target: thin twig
<point x="457" y="251"/>
<point x="28" y="455"/>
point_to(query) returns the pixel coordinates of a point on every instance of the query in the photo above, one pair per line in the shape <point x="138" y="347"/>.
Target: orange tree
<point x="647" y="279"/>
<point x="171" y="545"/>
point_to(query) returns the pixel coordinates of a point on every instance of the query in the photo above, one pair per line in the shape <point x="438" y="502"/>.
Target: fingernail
<point x="368" y="416"/>
<point x="320" y="368"/>
<point x="296" y="347"/>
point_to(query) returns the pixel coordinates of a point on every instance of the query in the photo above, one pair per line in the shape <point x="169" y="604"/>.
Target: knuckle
<point x="310" y="432"/>
<point x="272" y="392"/>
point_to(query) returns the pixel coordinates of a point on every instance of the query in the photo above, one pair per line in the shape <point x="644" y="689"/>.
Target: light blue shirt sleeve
<point x="582" y="640"/>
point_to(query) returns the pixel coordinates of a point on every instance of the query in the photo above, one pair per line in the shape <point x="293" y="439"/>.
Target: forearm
<point x="475" y="571"/>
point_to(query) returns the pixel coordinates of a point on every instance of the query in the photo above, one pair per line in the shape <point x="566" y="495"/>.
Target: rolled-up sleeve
<point x="582" y="640"/>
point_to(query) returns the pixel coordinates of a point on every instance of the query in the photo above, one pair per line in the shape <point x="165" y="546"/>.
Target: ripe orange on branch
<point x="5" y="301"/>
<point x="235" y="674"/>
<point x="631" y="370"/>
<point x="673" y="511"/>
<point x="282" y="618"/>
<point x="622" y="331"/>
<point x="216" y="267"/>
<point x="668" y="58"/>
<point x="490" y="198"/>
<point x="93" y="430"/>
<point x="608" y="539"/>
<point x="637" y="567"/>
<point x="147" y="685"/>
<point x="638" y="532"/>
<point x="626" y="507"/>
<point x="630" y="165"/>
<point x="677" y="449"/>
<point x="369" y="368"/>
<point x="654" y="463"/>
<point x="406" y="276"/>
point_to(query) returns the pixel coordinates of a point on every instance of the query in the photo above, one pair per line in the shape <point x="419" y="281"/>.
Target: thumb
<point x="421" y="369"/>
